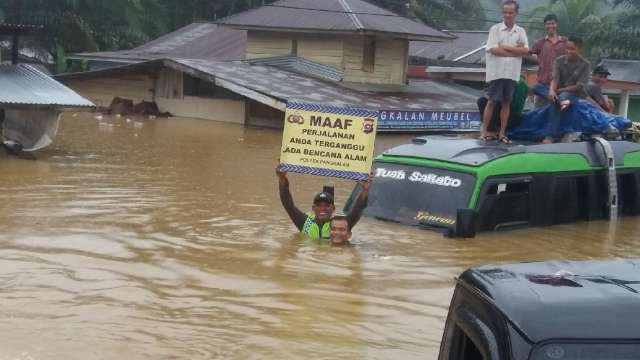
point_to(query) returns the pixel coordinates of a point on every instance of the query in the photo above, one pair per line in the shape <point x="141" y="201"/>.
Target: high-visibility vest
<point x="312" y="230"/>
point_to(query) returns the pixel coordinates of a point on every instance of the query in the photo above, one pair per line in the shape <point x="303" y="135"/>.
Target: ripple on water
<point x="169" y="241"/>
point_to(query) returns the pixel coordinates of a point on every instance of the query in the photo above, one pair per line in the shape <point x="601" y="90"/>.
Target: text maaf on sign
<point x="328" y="140"/>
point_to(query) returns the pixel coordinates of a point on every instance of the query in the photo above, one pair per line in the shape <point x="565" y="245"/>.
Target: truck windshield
<point x="417" y="195"/>
<point x="575" y="351"/>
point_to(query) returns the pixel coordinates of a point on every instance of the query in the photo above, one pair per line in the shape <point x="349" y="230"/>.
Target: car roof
<point x="478" y="152"/>
<point x="564" y="299"/>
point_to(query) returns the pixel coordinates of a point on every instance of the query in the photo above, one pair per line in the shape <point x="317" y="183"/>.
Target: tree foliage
<point x="103" y="25"/>
<point x="608" y="28"/>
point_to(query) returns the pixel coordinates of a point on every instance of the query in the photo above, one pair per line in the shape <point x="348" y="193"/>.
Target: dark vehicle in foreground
<point x="555" y="310"/>
<point x="462" y="186"/>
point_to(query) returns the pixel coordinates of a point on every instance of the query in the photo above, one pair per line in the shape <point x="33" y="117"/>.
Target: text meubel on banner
<point x="328" y="140"/>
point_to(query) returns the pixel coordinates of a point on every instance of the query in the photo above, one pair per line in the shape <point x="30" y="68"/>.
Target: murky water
<point x="166" y="239"/>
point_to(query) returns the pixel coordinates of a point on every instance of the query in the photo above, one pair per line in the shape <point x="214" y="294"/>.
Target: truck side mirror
<point x="465" y="223"/>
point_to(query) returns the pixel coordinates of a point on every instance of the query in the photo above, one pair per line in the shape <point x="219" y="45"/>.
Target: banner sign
<point x="328" y="140"/>
<point x="429" y="120"/>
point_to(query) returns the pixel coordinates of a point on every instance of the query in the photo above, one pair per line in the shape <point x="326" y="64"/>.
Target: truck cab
<point x="463" y="186"/>
<point x="555" y="310"/>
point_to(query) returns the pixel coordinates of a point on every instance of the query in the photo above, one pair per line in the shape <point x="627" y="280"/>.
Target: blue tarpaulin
<point x="581" y="116"/>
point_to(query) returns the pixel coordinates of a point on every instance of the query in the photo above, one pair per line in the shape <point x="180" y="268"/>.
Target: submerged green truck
<point x="462" y="186"/>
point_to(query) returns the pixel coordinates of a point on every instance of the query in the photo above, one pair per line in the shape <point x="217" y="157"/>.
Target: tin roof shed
<point x="623" y="70"/>
<point x="275" y="86"/>
<point x="24" y="85"/>
<point x="199" y="40"/>
<point x="468" y="47"/>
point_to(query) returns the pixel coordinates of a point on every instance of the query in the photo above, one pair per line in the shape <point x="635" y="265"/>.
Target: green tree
<point x="621" y="37"/>
<point x="452" y="14"/>
<point x="583" y="18"/>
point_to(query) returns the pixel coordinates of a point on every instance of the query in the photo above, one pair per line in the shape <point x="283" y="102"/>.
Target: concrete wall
<point x="390" y="61"/>
<point x="137" y="88"/>
<point x="204" y="108"/>
<point x="101" y="91"/>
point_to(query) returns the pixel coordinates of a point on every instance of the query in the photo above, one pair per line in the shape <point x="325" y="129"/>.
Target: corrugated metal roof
<point x="623" y="70"/>
<point x="337" y="16"/>
<point x="282" y="86"/>
<point x="24" y="85"/>
<point x="200" y="40"/>
<point x="301" y="65"/>
<point x="468" y="47"/>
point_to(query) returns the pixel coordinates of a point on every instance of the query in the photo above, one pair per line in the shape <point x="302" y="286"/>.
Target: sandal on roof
<point x="504" y="140"/>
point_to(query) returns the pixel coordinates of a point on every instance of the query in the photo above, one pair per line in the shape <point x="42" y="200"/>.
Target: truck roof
<point x="565" y="299"/>
<point x="478" y="152"/>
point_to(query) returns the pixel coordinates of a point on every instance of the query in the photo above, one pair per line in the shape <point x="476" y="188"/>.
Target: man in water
<point x="340" y="232"/>
<point x="316" y="223"/>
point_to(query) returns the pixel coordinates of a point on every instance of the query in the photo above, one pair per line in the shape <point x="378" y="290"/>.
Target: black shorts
<point x="501" y="90"/>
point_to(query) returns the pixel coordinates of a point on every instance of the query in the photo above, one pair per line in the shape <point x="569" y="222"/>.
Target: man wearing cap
<point x="593" y="89"/>
<point x="316" y="224"/>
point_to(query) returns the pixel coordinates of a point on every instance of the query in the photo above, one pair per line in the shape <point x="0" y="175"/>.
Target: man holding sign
<point x="327" y="141"/>
<point x="316" y="224"/>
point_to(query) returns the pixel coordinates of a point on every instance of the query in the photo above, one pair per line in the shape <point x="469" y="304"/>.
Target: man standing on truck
<point x="544" y="52"/>
<point x="316" y="224"/>
<point x="570" y="76"/>
<point x="506" y="45"/>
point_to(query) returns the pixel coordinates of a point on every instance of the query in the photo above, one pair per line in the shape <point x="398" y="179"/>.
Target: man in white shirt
<point x="506" y="45"/>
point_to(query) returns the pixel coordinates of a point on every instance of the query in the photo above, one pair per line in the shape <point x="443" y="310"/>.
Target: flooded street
<point x="165" y="238"/>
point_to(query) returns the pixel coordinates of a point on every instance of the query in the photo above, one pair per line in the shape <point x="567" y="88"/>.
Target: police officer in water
<point x="316" y="224"/>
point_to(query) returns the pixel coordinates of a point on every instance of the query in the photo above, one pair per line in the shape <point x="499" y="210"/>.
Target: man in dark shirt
<point x="316" y="224"/>
<point x="544" y="52"/>
<point x="593" y="90"/>
<point x="570" y="76"/>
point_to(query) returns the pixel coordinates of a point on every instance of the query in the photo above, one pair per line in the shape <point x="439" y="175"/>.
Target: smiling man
<point x="544" y="52"/>
<point x="340" y="232"/>
<point x="316" y="224"/>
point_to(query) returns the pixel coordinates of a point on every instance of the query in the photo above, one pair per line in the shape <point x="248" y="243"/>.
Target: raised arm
<point x="296" y="215"/>
<point x="361" y="202"/>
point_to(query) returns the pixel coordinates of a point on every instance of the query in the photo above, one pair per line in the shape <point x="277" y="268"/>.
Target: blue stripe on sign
<point x="324" y="172"/>
<point x="332" y="109"/>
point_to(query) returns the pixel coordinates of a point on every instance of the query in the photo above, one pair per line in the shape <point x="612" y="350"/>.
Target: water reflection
<point x="165" y="238"/>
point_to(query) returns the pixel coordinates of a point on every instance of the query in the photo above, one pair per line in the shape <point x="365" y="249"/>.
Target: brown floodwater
<point x="165" y="238"/>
